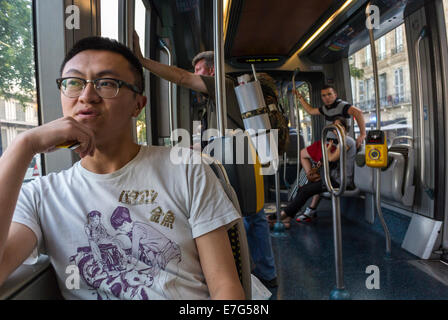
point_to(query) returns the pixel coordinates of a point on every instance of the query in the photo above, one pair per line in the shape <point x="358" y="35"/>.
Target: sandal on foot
<point x="286" y="220"/>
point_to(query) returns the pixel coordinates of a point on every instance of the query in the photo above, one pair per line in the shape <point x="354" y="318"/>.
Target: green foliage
<point x="17" y="79"/>
<point x="141" y="128"/>
<point x="356" y="72"/>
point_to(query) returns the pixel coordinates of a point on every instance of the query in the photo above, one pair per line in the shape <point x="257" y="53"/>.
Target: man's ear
<point x="212" y="71"/>
<point x="141" y="103"/>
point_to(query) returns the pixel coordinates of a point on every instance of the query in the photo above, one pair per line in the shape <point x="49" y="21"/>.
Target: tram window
<point x="305" y="118"/>
<point x="287" y="103"/>
<point x="18" y="102"/>
<point x="140" y="27"/>
<point x="109" y="19"/>
<point x="394" y="84"/>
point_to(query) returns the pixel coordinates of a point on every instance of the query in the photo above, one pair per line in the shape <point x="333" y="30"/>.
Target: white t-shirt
<point x="130" y="233"/>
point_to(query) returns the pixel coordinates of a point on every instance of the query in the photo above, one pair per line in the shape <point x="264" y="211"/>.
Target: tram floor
<point x="306" y="267"/>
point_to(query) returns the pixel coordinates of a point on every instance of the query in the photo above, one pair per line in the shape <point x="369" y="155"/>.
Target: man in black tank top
<point x="334" y="107"/>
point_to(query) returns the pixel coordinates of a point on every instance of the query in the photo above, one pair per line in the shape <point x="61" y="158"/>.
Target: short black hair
<point x="343" y="122"/>
<point x="327" y="86"/>
<point x="106" y="44"/>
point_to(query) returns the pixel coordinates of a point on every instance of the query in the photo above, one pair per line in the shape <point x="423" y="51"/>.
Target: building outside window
<point x="394" y="85"/>
<point x="368" y="56"/>
<point x="383" y="89"/>
<point x="382" y="48"/>
<point x="399" y="86"/>
<point x="399" y="39"/>
<point x="361" y="95"/>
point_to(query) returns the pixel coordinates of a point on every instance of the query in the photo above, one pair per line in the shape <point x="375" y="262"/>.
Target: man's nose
<point x="89" y="94"/>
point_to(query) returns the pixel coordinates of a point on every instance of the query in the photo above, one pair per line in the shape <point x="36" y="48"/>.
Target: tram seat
<point x="32" y="282"/>
<point x="243" y="169"/>
<point x="237" y="233"/>
<point x="396" y="179"/>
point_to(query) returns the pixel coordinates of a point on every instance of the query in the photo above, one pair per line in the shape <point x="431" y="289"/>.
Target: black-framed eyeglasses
<point x="107" y="88"/>
<point x="335" y="141"/>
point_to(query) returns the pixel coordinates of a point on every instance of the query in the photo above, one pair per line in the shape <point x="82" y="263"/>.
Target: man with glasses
<point x="180" y="211"/>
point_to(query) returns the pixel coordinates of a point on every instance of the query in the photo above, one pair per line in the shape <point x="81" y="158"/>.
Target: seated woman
<point x="313" y="188"/>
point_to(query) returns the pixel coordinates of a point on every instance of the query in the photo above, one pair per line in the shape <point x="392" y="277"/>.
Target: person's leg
<point x="303" y="194"/>
<point x="260" y="246"/>
<point x="314" y="202"/>
<point x="310" y="212"/>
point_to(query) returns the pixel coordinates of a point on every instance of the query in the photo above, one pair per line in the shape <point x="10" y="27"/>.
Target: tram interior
<point x="274" y="37"/>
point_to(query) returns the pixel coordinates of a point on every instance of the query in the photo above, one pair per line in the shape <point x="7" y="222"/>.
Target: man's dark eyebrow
<point x="74" y="71"/>
<point x="98" y="75"/>
<point x="107" y="72"/>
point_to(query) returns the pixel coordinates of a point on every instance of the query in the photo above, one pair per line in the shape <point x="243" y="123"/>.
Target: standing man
<point x="334" y="107"/>
<point x="202" y="80"/>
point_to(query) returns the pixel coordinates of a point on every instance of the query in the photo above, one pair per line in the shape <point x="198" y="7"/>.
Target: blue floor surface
<point x="306" y="269"/>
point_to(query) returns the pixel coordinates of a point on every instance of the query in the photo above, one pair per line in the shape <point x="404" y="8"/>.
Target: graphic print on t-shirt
<point x="123" y="265"/>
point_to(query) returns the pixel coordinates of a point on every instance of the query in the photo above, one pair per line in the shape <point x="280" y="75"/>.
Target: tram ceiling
<point x="266" y="28"/>
<point x="274" y="29"/>
<point x="269" y="27"/>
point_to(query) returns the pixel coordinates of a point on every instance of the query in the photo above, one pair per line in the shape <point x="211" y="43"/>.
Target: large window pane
<point x="18" y="105"/>
<point x="140" y="27"/>
<point x="109" y="19"/>
<point x="394" y="85"/>
<point x="287" y="103"/>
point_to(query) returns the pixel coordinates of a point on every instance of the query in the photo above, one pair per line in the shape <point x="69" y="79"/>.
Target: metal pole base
<point x="279" y="230"/>
<point x="339" y="294"/>
<point x="388" y="256"/>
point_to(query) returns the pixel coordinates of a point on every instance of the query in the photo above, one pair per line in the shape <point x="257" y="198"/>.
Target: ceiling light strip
<point x="322" y="27"/>
<point x="226" y="11"/>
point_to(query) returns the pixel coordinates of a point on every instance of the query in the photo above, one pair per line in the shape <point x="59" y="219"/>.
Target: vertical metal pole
<point x="277" y="195"/>
<point x="337" y="236"/>
<point x="339" y="293"/>
<point x="298" y="124"/>
<point x="279" y="227"/>
<point x="220" y="88"/>
<point x="378" y="127"/>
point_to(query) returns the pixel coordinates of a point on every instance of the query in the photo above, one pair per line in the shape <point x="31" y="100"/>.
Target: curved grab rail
<point x="342" y="158"/>
<point x="164" y="46"/>
<point x="421" y="126"/>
